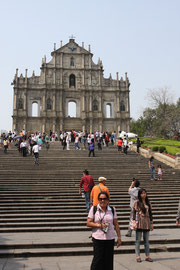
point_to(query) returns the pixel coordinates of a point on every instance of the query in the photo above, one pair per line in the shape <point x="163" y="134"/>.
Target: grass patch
<point x="172" y="146"/>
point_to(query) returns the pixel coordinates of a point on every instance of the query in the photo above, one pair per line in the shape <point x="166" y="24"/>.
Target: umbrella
<point x="18" y="137"/>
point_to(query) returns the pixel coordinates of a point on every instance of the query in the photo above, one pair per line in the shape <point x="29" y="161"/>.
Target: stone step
<point x="73" y="227"/>
<point x="44" y="199"/>
<point x="80" y="251"/>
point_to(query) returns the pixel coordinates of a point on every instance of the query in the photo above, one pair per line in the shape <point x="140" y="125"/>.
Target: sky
<point x="139" y="37"/>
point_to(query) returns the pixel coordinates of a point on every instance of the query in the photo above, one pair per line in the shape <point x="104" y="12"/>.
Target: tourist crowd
<point x="80" y="140"/>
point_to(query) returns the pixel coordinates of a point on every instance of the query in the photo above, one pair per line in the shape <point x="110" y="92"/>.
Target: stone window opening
<point x="72" y="109"/>
<point x="20" y="103"/>
<point x="35" y="109"/>
<point x="72" y="80"/>
<point x="72" y="61"/>
<point x="122" y="107"/>
<point x="49" y="104"/>
<point x="95" y="105"/>
<point x="108" y="110"/>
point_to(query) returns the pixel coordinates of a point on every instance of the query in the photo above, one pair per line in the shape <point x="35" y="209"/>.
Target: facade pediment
<point x="71" y="48"/>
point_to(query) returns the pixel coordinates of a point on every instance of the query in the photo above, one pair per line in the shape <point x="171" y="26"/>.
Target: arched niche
<point x="49" y="104"/>
<point x="95" y="105"/>
<point x="72" y="80"/>
<point x="122" y="106"/>
<point x="20" y="103"/>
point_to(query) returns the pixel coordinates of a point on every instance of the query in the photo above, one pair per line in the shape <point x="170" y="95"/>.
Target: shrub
<point x="155" y="148"/>
<point x="162" y="149"/>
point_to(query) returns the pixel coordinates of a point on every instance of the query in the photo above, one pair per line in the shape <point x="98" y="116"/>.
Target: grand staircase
<point x="42" y="213"/>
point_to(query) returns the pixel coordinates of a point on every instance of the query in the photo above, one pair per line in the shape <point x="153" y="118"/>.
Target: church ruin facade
<point x="42" y="103"/>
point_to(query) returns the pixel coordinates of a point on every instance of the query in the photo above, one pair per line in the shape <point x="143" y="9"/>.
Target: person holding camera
<point x="133" y="192"/>
<point x="103" y="221"/>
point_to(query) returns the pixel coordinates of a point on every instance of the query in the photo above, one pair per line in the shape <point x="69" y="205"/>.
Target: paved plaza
<point x="162" y="261"/>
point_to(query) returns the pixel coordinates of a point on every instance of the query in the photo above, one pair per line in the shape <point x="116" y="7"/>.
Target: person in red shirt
<point x="120" y="144"/>
<point x="87" y="182"/>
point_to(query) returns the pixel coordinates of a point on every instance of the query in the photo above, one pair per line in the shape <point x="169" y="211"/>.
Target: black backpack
<point x="95" y="209"/>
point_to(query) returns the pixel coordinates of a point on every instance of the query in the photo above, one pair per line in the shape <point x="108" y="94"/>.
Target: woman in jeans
<point x="142" y="223"/>
<point x="152" y="168"/>
<point x="103" y="221"/>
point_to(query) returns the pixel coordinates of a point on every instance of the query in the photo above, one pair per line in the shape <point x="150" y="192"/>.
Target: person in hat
<point x="97" y="189"/>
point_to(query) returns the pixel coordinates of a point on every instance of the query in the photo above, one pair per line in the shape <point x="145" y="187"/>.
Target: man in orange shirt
<point x="97" y="189"/>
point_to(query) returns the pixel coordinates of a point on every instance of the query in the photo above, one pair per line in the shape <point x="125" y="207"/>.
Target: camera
<point x="105" y="230"/>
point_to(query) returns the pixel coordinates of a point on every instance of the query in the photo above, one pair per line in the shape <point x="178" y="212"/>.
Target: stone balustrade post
<point x="177" y="161"/>
<point x="150" y="152"/>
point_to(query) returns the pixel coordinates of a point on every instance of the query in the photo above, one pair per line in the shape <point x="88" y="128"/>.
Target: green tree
<point x="162" y="118"/>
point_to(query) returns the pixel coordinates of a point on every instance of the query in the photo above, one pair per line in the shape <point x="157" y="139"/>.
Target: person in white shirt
<point x="67" y="142"/>
<point x="125" y="144"/>
<point x="36" y="153"/>
<point x="23" y="147"/>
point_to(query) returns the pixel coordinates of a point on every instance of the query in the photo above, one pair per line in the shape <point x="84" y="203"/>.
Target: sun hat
<point x="101" y="179"/>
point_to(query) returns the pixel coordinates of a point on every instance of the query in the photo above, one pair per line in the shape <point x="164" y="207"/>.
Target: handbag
<point x="131" y="221"/>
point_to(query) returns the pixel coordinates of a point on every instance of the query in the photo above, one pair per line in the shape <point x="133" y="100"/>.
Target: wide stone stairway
<point x="42" y="213"/>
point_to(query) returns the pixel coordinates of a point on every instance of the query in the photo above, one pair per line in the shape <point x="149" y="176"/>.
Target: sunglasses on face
<point x="103" y="199"/>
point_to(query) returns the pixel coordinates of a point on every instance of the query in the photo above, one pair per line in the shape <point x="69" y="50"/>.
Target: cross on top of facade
<point x="72" y="37"/>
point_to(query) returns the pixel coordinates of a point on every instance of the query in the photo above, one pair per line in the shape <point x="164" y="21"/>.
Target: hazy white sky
<point x="140" y="37"/>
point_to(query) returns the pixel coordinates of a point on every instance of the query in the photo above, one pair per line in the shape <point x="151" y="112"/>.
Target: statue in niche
<point x="72" y="80"/>
<point x="72" y="62"/>
<point x="95" y="105"/>
<point x="49" y="104"/>
<point x="122" y="107"/>
<point x="20" y="103"/>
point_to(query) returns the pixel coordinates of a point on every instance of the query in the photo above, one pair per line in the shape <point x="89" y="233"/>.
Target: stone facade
<point x="71" y="76"/>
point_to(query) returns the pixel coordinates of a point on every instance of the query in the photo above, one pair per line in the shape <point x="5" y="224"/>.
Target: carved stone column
<point x="83" y="101"/>
<point x="54" y="101"/>
<point x="82" y="61"/>
<point x="61" y="126"/>
<point x="91" y="125"/>
<point x="90" y="101"/>
<point x="54" y="127"/>
<point x="83" y="79"/>
<point x="61" y="103"/>
<point x="14" y="128"/>
<point x="90" y="62"/>
<point x="44" y="101"/>
<point x="99" y="72"/>
<point x="43" y="127"/>
<point x="15" y="100"/>
<point x="117" y="102"/>
<point x="25" y="101"/>
<point x="61" y="60"/>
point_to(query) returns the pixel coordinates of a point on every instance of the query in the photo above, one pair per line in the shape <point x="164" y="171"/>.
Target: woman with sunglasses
<point x="142" y="223"/>
<point x="103" y="221"/>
